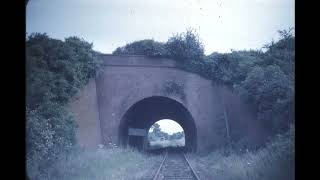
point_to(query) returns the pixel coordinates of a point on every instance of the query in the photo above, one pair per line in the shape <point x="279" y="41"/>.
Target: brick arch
<point x="147" y="111"/>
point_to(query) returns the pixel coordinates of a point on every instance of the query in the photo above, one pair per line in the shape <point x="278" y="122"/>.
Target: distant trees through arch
<point x="165" y="133"/>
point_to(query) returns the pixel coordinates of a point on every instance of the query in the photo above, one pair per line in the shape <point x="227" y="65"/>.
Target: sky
<point x="222" y="25"/>
<point x="169" y="126"/>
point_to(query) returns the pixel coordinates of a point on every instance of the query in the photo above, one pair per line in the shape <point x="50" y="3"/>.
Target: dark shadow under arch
<point x="147" y="111"/>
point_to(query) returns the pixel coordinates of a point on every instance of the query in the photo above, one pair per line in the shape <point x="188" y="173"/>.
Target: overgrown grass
<point x="167" y="143"/>
<point x="103" y="164"/>
<point x="276" y="161"/>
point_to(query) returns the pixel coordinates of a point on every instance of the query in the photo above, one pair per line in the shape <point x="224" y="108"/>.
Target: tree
<point x="185" y="46"/>
<point x="55" y="71"/>
<point x="267" y="88"/>
<point x="264" y="79"/>
<point x="146" y="47"/>
<point x="156" y="128"/>
<point x="177" y="135"/>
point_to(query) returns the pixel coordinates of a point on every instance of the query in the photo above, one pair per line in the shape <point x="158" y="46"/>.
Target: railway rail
<point x="175" y="165"/>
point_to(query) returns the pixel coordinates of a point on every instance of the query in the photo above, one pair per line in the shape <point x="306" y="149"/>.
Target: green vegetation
<point x="144" y="47"/>
<point x="156" y="134"/>
<point x="116" y="163"/>
<point x="55" y="71"/>
<point x="276" y="161"/>
<point x="158" y="144"/>
<point x="265" y="80"/>
<point x="159" y="139"/>
<point x="185" y="47"/>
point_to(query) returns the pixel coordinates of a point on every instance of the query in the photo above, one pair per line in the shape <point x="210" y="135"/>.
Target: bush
<point x="185" y="46"/>
<point x="275" y="161"/>
<point x="181" y="47"/>
<point x="144" y="47"/>
<point x="113" y="163"/>
<point x="55" y="71"/>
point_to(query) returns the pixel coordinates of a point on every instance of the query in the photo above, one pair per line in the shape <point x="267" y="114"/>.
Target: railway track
<point x="175" y="165"/>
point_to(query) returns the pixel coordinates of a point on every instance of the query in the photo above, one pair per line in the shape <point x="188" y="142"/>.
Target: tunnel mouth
<point x="138" y="119"/>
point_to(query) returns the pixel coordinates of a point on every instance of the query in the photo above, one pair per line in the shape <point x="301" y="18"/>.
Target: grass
<point x="167" y="143"/>
<point x="276" y="161"/>
<point x="104" y="164"/>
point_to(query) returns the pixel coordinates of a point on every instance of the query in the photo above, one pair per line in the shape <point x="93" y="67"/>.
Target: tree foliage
<point x="55" y="71"/>
<point x="146" y="47"/>
<point x="185" y="46"/>
<point x="177" y="135"/>
<point x="264" y="79"/>
<point x="156" y="134"/>
<point x="182" y="47"/>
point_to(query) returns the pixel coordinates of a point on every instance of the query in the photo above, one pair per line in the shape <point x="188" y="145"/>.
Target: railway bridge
<point x="131" y="92"/>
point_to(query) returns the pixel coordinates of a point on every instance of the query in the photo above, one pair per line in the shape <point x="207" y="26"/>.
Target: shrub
<point x="55" y="71"/>
<point x="185" y="46"/>
<point x="144" y="47"/>
<point x="275" y="161"/>
<point x="113" y="163"/>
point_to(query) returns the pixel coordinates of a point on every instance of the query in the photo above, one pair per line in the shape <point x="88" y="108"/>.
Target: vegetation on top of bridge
<point x="56" y="70"/>
<point x="264" y="79"/>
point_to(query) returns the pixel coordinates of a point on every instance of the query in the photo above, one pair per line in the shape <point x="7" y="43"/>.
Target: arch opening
<point x="134" y="125"/>
<point x="165" y="133"/>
